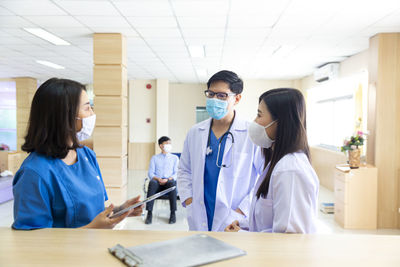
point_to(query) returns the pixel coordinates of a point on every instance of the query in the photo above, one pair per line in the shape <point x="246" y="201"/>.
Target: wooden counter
<point x="78" y="247"/>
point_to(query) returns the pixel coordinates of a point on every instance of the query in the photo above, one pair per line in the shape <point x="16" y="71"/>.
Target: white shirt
<point x="291" y="203"/>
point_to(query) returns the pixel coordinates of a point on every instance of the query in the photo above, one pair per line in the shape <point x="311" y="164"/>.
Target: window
<point x="335" y="110"/>
<point x="8" y="114"/>
<point x="201" y="114"/>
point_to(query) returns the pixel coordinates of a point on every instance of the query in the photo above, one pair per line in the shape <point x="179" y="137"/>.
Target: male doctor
<point x="219" y="164"/>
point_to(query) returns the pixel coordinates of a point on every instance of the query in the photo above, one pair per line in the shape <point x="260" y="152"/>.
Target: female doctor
<point x="285" y="196"/>
<point x="59" y="184"/>
<point x="219" y="164"/>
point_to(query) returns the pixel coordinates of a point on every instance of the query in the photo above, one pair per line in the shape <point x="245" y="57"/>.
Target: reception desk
<point x="79" y="247"/>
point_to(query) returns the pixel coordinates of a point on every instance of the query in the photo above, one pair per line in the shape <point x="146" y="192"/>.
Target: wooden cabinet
<point x="356" y="198"/>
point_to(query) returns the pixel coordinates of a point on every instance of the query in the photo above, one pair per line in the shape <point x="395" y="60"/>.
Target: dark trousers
<point x="155" y="187"/>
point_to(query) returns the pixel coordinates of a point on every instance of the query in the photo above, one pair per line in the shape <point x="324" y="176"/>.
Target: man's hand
<point x="240" y="211"/>
<point x="233" y="227"/>
<point x="188" y="201"/>
<point x="163" y="181"/>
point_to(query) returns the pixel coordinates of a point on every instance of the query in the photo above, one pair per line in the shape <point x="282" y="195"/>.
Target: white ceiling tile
<point x="28" y="7"/>
<point x="76" y="32"/>
<point x="128" y="32"/>
<point x="202" y="22"/>
<point x="153" y="22"/>
<point x="248" y="32"/>
<point x="178" y="41"/>
<point x="4" y="12"/>
<point x="14" y="22"/>
<point x="144" y="8"/>
<point x="203" y="33"/>
<point x="242" y="21"/>
<point x="257" y="7"/>
<point x="160" y="33"/>
<point x="204" y="7"/>
<point x="88" y="8"/>
<point x="104" y="21"/>
<point x="205" y="41"/>
<point x="54" y="21"/>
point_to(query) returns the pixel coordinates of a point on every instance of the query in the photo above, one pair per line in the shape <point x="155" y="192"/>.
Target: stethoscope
<point x="227" y="133"/>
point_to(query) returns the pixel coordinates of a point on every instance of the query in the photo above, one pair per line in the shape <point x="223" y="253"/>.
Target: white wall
<point x="183" y="100"/>
<point x="252" y="89"/>
<point x="142" y="105"/>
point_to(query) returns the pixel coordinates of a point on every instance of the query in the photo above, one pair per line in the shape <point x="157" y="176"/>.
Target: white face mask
<point x="168" y="148"/>
<point x="258" y="135"/>
<point x="88" y="124"/>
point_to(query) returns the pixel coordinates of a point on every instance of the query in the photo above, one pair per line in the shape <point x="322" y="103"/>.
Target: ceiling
<point x="259" y="39"/>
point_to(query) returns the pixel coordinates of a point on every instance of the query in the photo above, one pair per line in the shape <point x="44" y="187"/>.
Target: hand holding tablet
<point x="153" y="197"/>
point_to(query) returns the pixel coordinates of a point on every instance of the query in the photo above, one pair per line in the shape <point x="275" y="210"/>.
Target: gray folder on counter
<point x="192" y="250"/>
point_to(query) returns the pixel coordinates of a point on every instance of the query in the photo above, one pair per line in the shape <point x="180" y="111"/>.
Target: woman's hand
<point x="102" y="221"/>
<point x="233" y="227"/>
<point x="136" y="211"/>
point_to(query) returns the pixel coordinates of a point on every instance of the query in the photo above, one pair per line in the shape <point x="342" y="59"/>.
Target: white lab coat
<point x="235" y="184"/>
<point x="291" y="202"/>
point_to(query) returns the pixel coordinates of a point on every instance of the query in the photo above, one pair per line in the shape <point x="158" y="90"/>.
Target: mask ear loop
<point x="269" y="124"/>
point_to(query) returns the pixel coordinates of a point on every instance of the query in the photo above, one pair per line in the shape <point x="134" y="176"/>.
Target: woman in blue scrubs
<point x="60" y="184"/>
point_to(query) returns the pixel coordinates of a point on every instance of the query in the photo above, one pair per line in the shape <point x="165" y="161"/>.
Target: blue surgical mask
<point x="217" y="109"/>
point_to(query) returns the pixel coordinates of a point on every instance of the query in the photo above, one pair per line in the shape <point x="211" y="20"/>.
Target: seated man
<point x="162" y="173"/>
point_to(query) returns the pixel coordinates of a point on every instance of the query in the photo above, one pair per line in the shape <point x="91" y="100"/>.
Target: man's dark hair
<point x="163" y="139"/>
<point x="231" y="78"/>
<point x="52" y="119"/>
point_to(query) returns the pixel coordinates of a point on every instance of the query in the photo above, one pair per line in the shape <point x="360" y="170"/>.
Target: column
<point x="25" y="88"/>
<point x="162" y="106"/>
<point x="383" y="149"/>
<point x="110" y="138"/>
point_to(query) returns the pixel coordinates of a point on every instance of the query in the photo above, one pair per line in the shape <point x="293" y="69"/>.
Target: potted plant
<point x="353" y="145"/>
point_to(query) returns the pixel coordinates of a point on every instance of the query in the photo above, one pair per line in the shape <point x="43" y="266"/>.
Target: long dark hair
<point x="52" y="119"/>
<point x="287" y="107"/>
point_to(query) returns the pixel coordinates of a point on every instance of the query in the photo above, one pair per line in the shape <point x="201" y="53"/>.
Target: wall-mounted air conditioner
<point x="328" y="71"/>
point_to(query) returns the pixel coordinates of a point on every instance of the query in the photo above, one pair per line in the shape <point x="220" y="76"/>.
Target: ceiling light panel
<point x="50" y="64"/>
<point x="45" y="35"/>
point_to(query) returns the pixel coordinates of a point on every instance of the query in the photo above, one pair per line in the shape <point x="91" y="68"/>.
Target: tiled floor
<point x="327" y="225"/>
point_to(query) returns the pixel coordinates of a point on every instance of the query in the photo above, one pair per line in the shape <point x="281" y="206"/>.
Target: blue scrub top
<point x="211" y="173"/>
<point x="49" y="193"/>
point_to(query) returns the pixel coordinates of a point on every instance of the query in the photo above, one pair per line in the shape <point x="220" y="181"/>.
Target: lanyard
<point x="209" y="150"/>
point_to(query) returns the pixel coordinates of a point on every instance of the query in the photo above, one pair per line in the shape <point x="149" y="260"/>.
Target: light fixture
<point x="50" y="64"/>
<point x="196" y="51"/>
<point x="45" y="35"/>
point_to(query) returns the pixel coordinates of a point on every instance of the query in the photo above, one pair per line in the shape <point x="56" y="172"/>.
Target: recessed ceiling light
<point x="45" y="35"/>
<point x="196" y="51"/>
<point x="50" y="64"/>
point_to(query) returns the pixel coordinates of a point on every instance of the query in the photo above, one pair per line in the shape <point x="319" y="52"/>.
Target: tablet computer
<point x="159" y="194"/>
